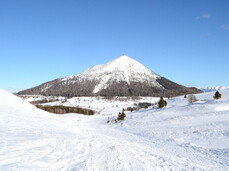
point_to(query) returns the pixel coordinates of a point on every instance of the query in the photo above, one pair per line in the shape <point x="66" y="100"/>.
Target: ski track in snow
<point x="180" y="136"/>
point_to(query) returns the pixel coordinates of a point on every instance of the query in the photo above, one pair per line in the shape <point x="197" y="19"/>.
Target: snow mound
<point x="12" y="102"/>
<point x="7" y="98"/>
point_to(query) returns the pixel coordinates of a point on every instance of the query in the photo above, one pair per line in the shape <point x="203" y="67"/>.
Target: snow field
<point x="180" y="136"/>
<point x="101" y="105"/>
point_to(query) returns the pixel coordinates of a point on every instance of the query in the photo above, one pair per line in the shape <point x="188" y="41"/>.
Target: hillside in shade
<point x="123" y="76"/>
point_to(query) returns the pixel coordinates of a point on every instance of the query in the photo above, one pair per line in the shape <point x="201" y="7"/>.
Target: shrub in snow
<point x="144" y="105"/>
<point x="217" y="95"/>
<point x="121" y="116"/>
<point x="131" y="109"/>
<point x="192" y="98"/>
<point x="162" y="103"/>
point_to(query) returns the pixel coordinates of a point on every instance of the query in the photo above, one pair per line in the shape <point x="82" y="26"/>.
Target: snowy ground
<point x="101" y="105"/>
<point x="181" y="136"/>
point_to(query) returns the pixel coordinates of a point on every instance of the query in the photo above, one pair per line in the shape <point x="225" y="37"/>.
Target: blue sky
<point x="184" y="41"/>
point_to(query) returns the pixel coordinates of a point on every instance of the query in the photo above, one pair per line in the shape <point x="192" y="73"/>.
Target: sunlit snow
<point x="123" y="68"/>
<point x="181" y="136"/>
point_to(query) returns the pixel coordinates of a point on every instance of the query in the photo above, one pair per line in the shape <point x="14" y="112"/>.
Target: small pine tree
<point x="162" y="103"/>
<point x="217" y="95"/>
<point x="121" y="116"/>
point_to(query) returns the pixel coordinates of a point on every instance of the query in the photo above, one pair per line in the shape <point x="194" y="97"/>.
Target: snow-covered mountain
<point x="122" y="69"/>
<point x="213" y="88"/>
<point x="123" y="76"/>
<point x="181" y="136"/>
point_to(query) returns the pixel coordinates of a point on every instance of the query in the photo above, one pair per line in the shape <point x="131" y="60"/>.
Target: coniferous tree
<point x="217" y="95"/>
<point x="162" y="103"/>
<point x="121" y="116"/>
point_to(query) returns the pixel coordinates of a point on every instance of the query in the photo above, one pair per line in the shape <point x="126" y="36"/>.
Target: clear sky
<point x="186" y="41"/>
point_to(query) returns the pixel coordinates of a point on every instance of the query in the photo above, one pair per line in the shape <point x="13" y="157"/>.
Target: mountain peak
<point x="124" y="57"/>
<point x="121" y="69"/>
<point x="124" y="60"/>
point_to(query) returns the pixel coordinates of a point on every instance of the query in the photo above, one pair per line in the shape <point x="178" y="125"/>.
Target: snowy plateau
<point x="180" y="136"/>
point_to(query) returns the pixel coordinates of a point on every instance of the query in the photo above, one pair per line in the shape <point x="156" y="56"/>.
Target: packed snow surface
<point x="123" y="68"/>
<point x="180" y="136"/>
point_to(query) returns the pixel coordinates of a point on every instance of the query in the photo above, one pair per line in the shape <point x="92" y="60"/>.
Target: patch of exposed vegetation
<point x="144" y="105"/>
<point x="36" y="102"/>
<point x="131" y="109"/>
<point x="66" y="109"/>
<point x="121" y="117"/>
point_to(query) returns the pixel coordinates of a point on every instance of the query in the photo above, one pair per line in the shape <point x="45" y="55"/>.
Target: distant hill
<point x="213" y="88"/>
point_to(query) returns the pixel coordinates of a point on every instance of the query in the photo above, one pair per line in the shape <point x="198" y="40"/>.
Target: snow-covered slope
<point x="181" y="136"/>
<point x="123" y="69"/>
<point x="123" y="76"/>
